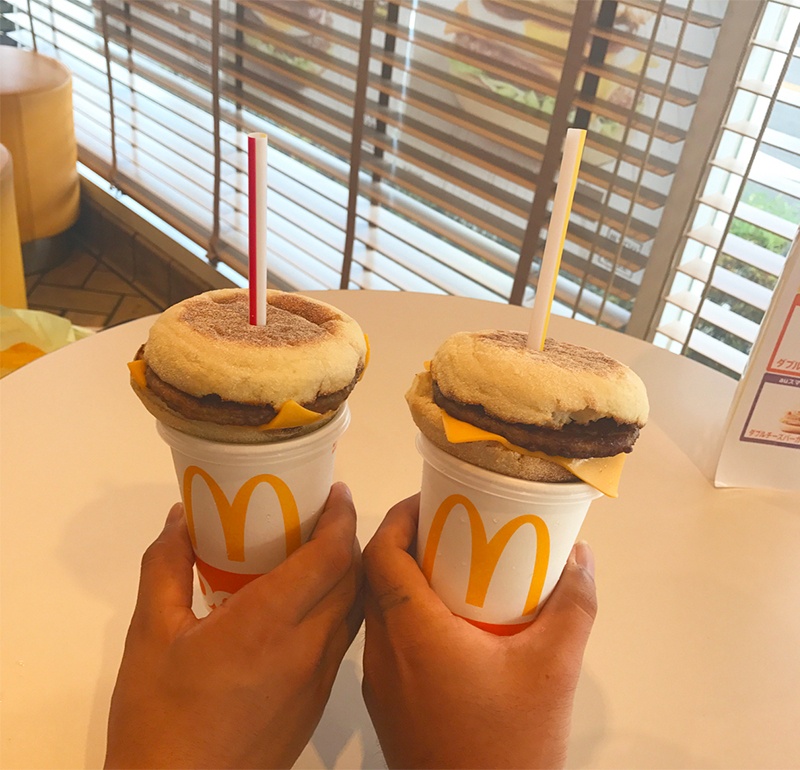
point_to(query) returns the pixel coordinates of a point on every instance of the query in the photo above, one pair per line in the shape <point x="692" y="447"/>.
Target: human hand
<point x="443" y="693"/>
<point x="246" y="685"/>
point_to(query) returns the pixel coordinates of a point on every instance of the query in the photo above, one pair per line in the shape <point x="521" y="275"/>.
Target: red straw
<point x="257" y="221"/>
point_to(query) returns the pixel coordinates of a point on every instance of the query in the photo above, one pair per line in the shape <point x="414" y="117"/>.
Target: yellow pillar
<point x="12" y="280"/>
<point x="36" y="125"/>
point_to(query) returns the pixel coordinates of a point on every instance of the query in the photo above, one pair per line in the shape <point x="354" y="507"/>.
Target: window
<point x="415" y="144"/>
<point x="747" y="210"/>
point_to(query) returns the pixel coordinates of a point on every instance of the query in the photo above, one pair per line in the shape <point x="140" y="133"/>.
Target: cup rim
<point x="204" y="448"/>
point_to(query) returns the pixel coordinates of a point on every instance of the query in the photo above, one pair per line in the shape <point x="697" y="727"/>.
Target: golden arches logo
<point x="233" y="515"/>
<point x="486" y="553"/>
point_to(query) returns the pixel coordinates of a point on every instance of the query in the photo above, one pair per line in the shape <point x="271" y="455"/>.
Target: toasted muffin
<point x="566" y="401"/>
<point x="211" y="373"/>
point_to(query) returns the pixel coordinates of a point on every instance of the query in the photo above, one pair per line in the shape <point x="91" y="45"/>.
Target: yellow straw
<point x="556" y="235"/>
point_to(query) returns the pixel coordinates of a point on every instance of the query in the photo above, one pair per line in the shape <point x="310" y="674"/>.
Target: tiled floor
<point x="87" y="292"/>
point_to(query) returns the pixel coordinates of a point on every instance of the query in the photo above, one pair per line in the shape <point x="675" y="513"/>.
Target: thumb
<point x="568" y="615"/>
<point x="166" y="579"/>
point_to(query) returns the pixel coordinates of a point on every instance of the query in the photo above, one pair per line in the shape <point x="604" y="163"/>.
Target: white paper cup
<point x="249" y="506"/>
<point x="491" y="546"/>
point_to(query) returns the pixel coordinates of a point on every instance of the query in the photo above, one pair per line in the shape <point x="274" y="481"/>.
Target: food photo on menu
<point x="790" y="422"/>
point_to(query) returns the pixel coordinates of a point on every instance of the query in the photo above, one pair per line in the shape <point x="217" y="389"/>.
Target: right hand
<point x="246" y="685"/>
<point x="443" y="693"/>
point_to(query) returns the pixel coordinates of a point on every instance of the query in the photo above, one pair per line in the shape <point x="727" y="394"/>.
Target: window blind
<point x="747" y="210"/>
<point x="414" y="144"/>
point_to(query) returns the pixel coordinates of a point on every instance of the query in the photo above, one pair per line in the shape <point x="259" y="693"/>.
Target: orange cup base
<point x="499" y="629"/>
<point x="221" y="580"/>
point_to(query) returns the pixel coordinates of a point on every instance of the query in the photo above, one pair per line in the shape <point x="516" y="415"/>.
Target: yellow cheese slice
<point x="540" y="31"/>
<point x="463" y="10"/>
<point x="602" y="473"/>
<point x="137" y="372"/>
<point x="292" y="415"/>
<point x="366" y="358"/>
<point x="279" y="25"/>
<point x="18" y="355"/>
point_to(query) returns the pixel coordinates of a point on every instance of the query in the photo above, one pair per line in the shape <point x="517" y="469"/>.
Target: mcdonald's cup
<point x="248" y="506"/>
<point x="493" y="547"/>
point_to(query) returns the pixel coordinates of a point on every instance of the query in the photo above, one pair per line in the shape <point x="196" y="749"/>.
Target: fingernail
<point x="174" y="514"/>
<point x="344" y="489"/>
<point x="583" y="556"/>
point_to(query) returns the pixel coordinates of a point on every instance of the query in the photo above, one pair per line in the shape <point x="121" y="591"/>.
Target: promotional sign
<point x="762" y="440"/>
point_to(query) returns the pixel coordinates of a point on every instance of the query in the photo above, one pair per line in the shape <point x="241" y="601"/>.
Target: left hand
<point x="246" y="685"/>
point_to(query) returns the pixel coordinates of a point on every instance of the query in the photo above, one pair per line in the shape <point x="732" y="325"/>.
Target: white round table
<point x="694" y="660"/>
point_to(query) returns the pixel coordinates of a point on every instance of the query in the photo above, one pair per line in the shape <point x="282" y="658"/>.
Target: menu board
<point x="762" y="441"/>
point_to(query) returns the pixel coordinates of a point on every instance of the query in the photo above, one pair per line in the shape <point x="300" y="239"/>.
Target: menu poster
<point x="762" y="441"/>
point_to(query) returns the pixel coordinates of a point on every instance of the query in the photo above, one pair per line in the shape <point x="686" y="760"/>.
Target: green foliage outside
<point x="784" y="206"/>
